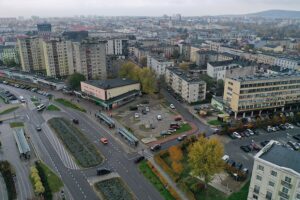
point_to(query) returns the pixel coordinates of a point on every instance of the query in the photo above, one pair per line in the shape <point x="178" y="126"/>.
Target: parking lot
<point x="233" y="146"/>
<point x="147" y="120"/>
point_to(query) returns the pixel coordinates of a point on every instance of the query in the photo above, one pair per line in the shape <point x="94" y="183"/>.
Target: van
<point x="40" y="107"/>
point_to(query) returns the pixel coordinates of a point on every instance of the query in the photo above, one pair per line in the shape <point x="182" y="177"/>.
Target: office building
<point x="111" y="93"/>
<point x="191" y="89"/>
<point x="158" y="64"/>
<point x="89" y="57"/>
<point x="255" y="94"/>
<point x="276" y="174"/>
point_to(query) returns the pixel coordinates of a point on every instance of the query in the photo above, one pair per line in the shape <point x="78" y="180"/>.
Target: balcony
<point x="284" y="195"/>
<point x="286" y="184"/>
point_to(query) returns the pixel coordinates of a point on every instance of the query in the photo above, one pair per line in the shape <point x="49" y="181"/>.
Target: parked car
<point x="245" y="148"/>
<point x="147" y="109"/>
<point x="144" y="112"/>
<point x="297" y="137"/>
<point x="38" y="128"/>
<point x="247" y="134"/>
<point x="75" y="121"/>
<point x="231" y="163"/>
<point x="238" y="166"/>
<point x="172" y="130"/>
<point x="182" y="137"/>
<point x="294" y="145"/>
<point x="256" y="132"/>
<point x="264" y="143"/>
<point x="104" y="140"/>
<point x="103" y="171"/>
<point x="159" y="117"/>
<point x="165" y="133"/>
<point x="139" y="159"/>
<point x="136" y="115"/>
<point x="290" y="126"/>
<point x="225" y="158"/>
<point x="250" y="132"/>
<point x="236" y="135"/>
<point x="242" y="134"/>
<point x="245" y="171"/>
<point x="282" y="127"/>
<point x="172" y="106"/>
<point x="174" y="126"/>
<point x="177" y="118"/>
<point x="155" y="147"/>
<point x="255" y="146"/>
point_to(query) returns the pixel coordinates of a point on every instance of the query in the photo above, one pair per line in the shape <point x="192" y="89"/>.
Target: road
<point x="76" y="180"/>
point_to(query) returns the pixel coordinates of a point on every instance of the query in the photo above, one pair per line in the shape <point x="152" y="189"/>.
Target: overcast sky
<point x="13" y="8"/>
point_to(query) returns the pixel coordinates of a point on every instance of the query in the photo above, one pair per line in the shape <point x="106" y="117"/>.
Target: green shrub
<point x="6" y="171"/>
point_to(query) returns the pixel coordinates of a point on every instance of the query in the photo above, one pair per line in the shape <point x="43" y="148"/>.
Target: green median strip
<point x="16" y="124"/>
<point x="9" y="110"/>
<point x="70" y="104"/>
<point x="53" y="108"/>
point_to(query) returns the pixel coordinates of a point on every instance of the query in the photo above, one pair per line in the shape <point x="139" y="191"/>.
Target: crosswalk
<point x="146" y="153"/>
<point x="59" y="148"/>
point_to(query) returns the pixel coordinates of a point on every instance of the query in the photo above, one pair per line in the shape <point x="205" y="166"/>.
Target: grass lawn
<point x="184" y="128"/>
<point x="149" y="174"/>
<point x="33" y="99"/>
<point x="36" y="103"/>
<point x="16" y="124"/>
<point x="9" y="110"/>
<point x="53" y="108"/>
<point x="55" y="183"/>
<point x="70" y="104"/>
<point x="214" y="122"/>
<point x="242" y="194"/>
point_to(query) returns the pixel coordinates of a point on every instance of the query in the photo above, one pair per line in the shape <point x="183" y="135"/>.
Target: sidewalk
<point x="168" y="179"/>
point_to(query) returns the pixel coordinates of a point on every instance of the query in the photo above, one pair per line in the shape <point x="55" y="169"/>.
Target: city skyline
<point x="46" y="8"/>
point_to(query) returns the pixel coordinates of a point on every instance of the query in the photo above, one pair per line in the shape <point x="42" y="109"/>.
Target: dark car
<point x="174" y="126"/>
<point x="245" y="148"/>
<point x="282" y="127"/>
<point x="297" y="137"/>
<point x="139" y="159"/>
<point x="144" y="112"/>
<point x="231" y="163"/>
<point x="75" y="121"/>
<point x="38" y="128"/>
<point x="103" y="171"/>
<point x="155" y="147"/>
<point x="133" y="108"/>
<point x="264" y="143"/>
<point x="238" y="166"/>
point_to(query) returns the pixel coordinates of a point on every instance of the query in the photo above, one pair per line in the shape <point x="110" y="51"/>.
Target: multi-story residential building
<point x="276" y="174"/>
<point x="185" y="51"/>
<point x="158" y="64"/>
<point x="224" y="69"/>
<point x="204" y="56"/>
<point x="9" y="52"/>
<point x="90" y="58"/>
<point x="58" y="58"/>
<point x="252" y="94"/>
<point x="117" y="46"/>
<point x="44" y="30"/>
<point x="285" y="62"/>
<point x="191" y="89"/>
<point x="31" y="54"/>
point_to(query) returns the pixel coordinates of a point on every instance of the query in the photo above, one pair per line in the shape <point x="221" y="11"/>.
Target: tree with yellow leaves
<point x="177" y="167"/>
<point x="204" y="158"/>
<point x="175" y="153"/>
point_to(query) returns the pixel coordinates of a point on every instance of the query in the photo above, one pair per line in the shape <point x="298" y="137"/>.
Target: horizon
<point x="189" y="8"/>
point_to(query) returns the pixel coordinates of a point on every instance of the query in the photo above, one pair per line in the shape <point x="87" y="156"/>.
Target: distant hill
<point x="277" y="14"/>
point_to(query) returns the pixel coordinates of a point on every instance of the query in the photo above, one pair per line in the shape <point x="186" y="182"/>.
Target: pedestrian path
<point x="59" y="148"/>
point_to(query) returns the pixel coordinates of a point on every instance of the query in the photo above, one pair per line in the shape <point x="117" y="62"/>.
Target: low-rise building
<point x="158" y="64"/>
<point x="258" y="93"/>
<point x="191" y="89"/>
<point x="111" y="93"/>
<point x="276" y="174"/>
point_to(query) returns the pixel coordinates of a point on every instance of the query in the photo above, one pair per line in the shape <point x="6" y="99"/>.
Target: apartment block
<point x="158" y="64"/>
<point x="31" y="54"/>
<point x="204" y="56"/>
<point x="90" y="58"/>
<point x="191" y="89"/>
<point x="58" y="58"/>
<point x="117" y="46"/>
<point x="258" y="93"/>
<point x="9" y="52"/>
<point x="276" y="174"/>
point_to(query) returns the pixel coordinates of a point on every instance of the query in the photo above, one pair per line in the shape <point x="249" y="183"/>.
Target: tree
<point x="126" y="69"/>
<point x="204" y="158"/>
<point x="175" y="153"/>
<point x="39" y="188"/>
<point x="143" y="61"/>
<point x="73" y="81"/>
<point x="177" y="167"/>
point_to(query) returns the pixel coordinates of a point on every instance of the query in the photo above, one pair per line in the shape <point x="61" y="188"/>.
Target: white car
<point x="147" y="109"/>
<point x="225" y="158"/>
<point x="290" y="126"/>
<point x="159" y="117"/>
<point x="172" y="106"/>
<point x="237" y="135"/>
<point x="136" y="115"/>
<point x="250" y="132"/>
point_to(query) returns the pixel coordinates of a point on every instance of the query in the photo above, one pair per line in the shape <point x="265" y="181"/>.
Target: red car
<point x="104" y="140"/>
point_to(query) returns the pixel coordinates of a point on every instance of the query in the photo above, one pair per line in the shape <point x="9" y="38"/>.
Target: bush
<point x="165" y="167"/>
<point x="47" y="193"/>
<point x="113" y="188"/>
<point x="70" y="104"/>
<point x="78" y="145"/>
<point x="6" y="171"/>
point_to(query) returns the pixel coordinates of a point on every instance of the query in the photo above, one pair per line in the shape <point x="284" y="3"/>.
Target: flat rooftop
<point x="185" y="75"/>
<point x="282" y="157"/>
<point x="264" y="77"/>
<point x="110" y="83"/>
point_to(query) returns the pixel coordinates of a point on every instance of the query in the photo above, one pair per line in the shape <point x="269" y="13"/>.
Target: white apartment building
<point x="191" y="89"/>
<point x="58" y="58"/>
<point x="158" y="64"/>
<point x="31" y="54"/>
<point x="287" y="63"/>
<point x="90" y="58"/>
<point x="117" y="47"/>
<point x="276" y="174"/>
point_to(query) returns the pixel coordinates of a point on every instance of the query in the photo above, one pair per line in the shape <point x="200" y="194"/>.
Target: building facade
<point x="158" y="64"/>
<point x="276" y="174"/>
<point x="191" y="89"/>
<point x="262" y="92"/>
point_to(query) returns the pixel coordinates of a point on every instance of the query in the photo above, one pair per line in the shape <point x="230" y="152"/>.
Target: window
<point x="271" y="183"/>
<point x="256" y="189"/>
<point x="288" y="179"/>
<point x="258" y="177"/>
<point x="273" y="173"/>
<point x="269" y="195"/>
<point x="285" y="190"/>
<point x="255" y="196"/>
<point x="259" y="167"/>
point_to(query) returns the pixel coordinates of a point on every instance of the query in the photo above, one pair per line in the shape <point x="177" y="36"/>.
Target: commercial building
<point x="58" y="58"/>
<point x="191" y="89"/>
<point x="255" y="94"/>
<point x="90" y="58"/>
<point x="276" y="174"/>
<point x="111" y="93"/>
<point x="31" y="54"/>
<point x="158" y="64"/>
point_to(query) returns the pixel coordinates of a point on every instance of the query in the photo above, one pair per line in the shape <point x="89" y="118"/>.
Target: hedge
<point x="6" y="171"/>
